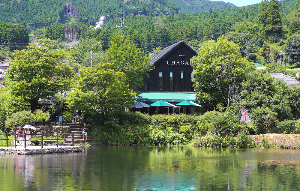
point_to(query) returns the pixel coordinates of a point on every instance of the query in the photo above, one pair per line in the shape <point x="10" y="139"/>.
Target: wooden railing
<point x="42" y="140"/>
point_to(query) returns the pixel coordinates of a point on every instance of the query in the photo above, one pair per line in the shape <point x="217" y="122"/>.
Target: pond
<point x="154" y="168"/>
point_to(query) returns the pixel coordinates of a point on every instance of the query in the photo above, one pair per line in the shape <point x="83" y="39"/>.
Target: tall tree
<point x="39" y="72"/>
<point x="127" y="58"/>
<point x="269" y="19"/>
<point x="294" y="19"/>
<point x="9" y="104"/>
<point x="219" y="71"/>
<point x="99" y="91"/>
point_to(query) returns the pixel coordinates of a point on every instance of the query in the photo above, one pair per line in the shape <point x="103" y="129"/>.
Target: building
<point x="171" y="79"/>
<point x="290" y="81"/>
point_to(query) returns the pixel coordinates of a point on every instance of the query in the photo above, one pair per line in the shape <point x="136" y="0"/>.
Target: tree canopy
<point x="40" y="71"/>
<point x="100" y="91"/>
<point x="219" y="71"/>
<point x="127" y="58"/>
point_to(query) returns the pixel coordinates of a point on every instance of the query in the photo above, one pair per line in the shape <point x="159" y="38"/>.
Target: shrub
<point x="67" y="115"/>
<point x="40" y="115"/>
<point x="264" y="120"/>
<point x="19" y="118"/>
<point x="215" y="122"/>
<point x="244" y="141"/>
<point x="215" y="141"/>
<point x="287" y="126"/>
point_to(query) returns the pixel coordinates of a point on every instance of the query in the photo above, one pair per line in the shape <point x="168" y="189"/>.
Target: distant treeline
<point x="14" y="36"/>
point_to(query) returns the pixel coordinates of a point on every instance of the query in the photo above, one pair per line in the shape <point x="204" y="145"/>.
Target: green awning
<point x="166" y="96"/>
<point x="161" y="103"/>
<point x="186" y="103"/>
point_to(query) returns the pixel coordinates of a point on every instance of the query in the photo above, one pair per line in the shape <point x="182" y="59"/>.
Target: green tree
<point x="291" y="48"/>
<point x="84" y="49"/>
<point x="262" y="91"/>
<point x="9" y="104"/>
<point x="269" y="19"/>
<point x="219" y="71"/>
<point x="19" y="118"/>
<point x="4" y="52"/>
<point x="39" y="72"/>
<point x="244" y="34"/>
<point x="100" y="91"/>
<point x="127" y="58"/>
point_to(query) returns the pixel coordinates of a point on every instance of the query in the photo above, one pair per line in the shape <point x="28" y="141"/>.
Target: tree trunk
<point x="33" y="105"/>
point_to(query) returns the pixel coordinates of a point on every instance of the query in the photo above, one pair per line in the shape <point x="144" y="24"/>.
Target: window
<point x="171" y="81"/>
<point x="192" y="83"/>
<point x="160" y="81"/>
<point x="181" y="82"/>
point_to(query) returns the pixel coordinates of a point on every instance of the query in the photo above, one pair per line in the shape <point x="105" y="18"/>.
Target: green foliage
<point x="100" y="91"/>
<point x="39" y="72"/>
<point x="19" y="118"/>
<point x="198" y="6"/>
<point x="39" y="13"/>
<point x="67" y="115"/>
<point x="264" y="119"/>
<point x="9" y="104"/>
<point x="292" y="46"/>
<point x="127" y="58"/>
<point x="269" y="19"/>
<point x="244" y="34"/>
<point x="219" y="71"/>
<point x="83" y="50"/>
<point x="222" y="123"/>
<point x="4" y="52"/>
<point x="3" y="143"/>
<point x="40" y="115"/>
<point x="15" y="36"/>
<point x="55" y="32"/>
<point x="138" y="128"/>
<point x="242" y="141"/>
<point x="287" y="127"/>
<point x="263" y="91"/>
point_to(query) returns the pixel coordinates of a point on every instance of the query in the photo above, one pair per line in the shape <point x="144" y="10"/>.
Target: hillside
<point x="199" y="6"/>
<point x="39" y="12"/>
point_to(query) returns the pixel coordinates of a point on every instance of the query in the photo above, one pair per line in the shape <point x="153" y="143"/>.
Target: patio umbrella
<point x="140" y="105"/>
<point x="29" y="127"/>
<point x="187" y="103"/>
<point x="161" y="103"/>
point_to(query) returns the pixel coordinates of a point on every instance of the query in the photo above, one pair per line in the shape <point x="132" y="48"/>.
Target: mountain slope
<point x="41" y="12"/>
<point x="199" y="6"/>
<point x="38" y="12"/>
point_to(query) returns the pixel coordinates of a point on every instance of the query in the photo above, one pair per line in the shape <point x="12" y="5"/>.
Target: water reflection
<point x="153" y="168"/>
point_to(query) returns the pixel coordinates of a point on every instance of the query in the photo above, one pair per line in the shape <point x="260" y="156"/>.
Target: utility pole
<point x="92" y="58"/>
<point x="122" y="25"/>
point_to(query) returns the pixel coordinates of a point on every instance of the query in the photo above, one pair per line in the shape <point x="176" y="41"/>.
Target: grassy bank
<point x="286" y="141"/>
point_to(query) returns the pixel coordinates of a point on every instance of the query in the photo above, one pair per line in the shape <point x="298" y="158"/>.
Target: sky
<point x="240" y="3"/>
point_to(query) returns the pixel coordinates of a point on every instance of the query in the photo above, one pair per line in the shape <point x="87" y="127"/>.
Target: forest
<point x="37" y="13"/>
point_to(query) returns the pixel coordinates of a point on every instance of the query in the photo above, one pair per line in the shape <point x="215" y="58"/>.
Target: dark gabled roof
<point x="167" y="50"/>
<point x="285" y="78"/>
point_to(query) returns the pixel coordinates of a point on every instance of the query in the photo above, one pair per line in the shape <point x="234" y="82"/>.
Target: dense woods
<point x="14" y="36"/>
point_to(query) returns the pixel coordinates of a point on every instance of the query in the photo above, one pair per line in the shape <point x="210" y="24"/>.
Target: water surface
<point x="154" y="168"/>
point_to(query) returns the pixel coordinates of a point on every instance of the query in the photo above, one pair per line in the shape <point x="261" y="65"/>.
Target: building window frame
<point x="181" y="81"/>
<point x="171" y="81"/>
<point x="160" y="81"/>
